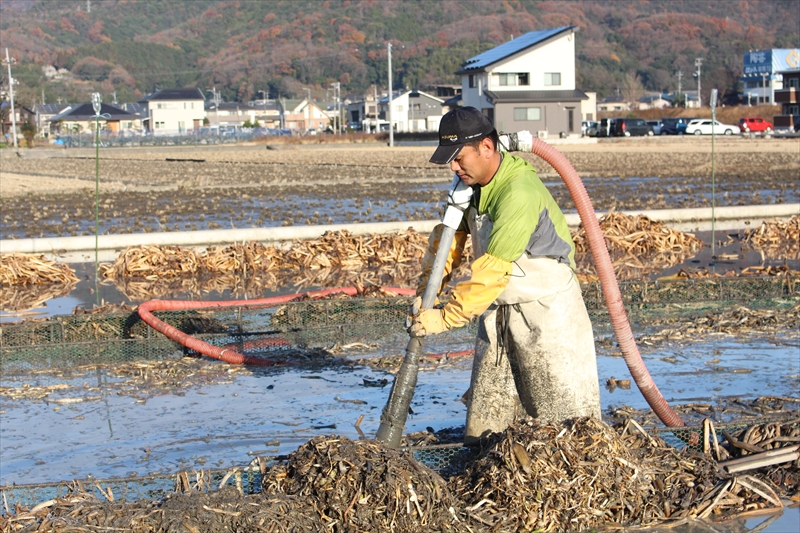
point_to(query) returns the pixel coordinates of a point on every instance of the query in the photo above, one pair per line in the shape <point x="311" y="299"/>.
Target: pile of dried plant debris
<point x="32" y="269"/>
<point x="637" y="246"/>
<point x="333" y="249"/>
<point x="576" y="476"/>
<point x="776" y="234"/>
<point x="638" y="235"/>
<point x="583" y="474"/>
<point x="365" y="486"/>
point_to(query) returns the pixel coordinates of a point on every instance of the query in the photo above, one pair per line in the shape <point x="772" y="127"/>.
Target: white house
<point x="528" y="83"/>
<point x="413" y="111"/>
<point x="233" y="115"/>
<point x="171" y="111"/>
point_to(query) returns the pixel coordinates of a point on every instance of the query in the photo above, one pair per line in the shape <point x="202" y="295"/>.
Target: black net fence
<point x="281" y="330"/>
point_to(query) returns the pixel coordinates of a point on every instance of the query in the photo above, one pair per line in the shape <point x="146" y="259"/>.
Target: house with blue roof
<point x="528" y="83"/>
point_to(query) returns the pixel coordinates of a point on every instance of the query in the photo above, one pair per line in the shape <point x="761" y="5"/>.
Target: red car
<point x="755" y="125"/>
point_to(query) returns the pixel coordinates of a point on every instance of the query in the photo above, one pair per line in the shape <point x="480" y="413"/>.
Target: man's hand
<point x="421" y="322"/>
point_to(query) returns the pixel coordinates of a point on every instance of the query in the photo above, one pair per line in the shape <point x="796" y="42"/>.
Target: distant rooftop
<point x="174" y="94"/>
<point x="86" y="112"/>
<point x="507" y="49"/>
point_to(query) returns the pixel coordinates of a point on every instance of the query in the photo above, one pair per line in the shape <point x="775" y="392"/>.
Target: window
<point x="794" y="82"/>
<point x="159" y="125"/>
<point x="472" y="81"/>
<point x="552" y="78"/>
<point x="527" y="113"/>
<point x="512" y="79"/>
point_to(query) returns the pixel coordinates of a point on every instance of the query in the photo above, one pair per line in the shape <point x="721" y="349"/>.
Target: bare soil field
<point x="47" y="192"/>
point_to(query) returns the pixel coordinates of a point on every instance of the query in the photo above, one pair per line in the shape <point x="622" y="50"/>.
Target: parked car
<point x="704" y="127"/>
<point x="606" y="127"/>
<point x="755" y="125"/>
<point x="586" y="125"/>
<point x="655" y="125"/>
<point x="631" y="127"/>
<point x="675" y="125"/>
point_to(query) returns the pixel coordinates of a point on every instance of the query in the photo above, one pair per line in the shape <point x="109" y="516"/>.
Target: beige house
<point x="174" y="111"/>
<point x="303" y="115"/>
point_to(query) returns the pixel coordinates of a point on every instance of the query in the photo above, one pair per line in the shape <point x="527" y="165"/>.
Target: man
<point x="534" y="352"/>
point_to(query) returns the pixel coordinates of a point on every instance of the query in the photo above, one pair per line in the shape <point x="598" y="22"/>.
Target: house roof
<point x="415" y="93"/>
<point x="86" y="112"/>
<point x="502" y="97"/>
<point x="51" y="109"/>
<point x="531" y="39"/>
<point x="174" y="94"/>
<point x="455" y="101"/>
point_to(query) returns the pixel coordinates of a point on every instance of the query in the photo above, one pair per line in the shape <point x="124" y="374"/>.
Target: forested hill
<point x="241" y="47"/>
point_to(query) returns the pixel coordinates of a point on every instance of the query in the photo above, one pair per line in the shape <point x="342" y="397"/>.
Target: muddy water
<point x="272" y="412"/>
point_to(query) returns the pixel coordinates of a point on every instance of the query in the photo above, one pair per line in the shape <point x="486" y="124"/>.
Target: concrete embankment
<point x="80" y="249"/>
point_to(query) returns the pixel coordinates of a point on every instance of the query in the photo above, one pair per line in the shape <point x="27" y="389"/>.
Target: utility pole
<point x="375" y="100"/>
<point x="11" y="93"/>
<point x="698" y="63"/>
<point x="680" y="75"/>
<point x="391" y="125"/>
<point x="337" y="120"/>
<point x="764" y="85"/>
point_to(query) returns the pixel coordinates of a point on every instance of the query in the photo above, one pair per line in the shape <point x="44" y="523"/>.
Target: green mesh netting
<point x="70" y="340"/>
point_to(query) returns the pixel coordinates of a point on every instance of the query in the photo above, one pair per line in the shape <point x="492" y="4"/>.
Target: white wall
<point x="556" y="56"/>
<point x="170" y="116"/>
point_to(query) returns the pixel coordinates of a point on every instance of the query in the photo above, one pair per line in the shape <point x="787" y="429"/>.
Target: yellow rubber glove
<point x="453" y="259"/>
<point x="490" y="276"/>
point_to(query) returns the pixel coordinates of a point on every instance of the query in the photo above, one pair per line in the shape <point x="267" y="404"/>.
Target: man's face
<point x="474" y="167"/>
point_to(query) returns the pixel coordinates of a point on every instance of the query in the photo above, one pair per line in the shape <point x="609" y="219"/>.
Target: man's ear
<point x="487" y="147"/>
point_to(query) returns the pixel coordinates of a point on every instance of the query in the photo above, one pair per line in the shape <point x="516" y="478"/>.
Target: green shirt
<point x="524" y="214"/>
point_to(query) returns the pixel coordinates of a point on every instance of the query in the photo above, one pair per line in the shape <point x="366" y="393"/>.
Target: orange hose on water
<point x="227" y="354"/>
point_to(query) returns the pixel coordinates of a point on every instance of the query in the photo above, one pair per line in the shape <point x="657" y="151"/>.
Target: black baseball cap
<point x="458" y="127"/>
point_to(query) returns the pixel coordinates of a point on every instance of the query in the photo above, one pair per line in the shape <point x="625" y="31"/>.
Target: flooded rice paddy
<point x="93" y="423"/>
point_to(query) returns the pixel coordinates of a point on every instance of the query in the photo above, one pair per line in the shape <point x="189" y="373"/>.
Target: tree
<point x="631" y="88"/>
<point x="28" y="131"/>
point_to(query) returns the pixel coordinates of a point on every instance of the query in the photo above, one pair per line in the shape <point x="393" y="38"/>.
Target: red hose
<point x="226" y="354"/>
<point x="608" y="280"/>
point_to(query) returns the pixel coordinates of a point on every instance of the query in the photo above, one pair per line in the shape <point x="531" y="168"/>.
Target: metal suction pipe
<point x="393" y="417"/>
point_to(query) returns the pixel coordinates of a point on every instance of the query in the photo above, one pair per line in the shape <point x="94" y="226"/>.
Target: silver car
<point x="655" y="125"/>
